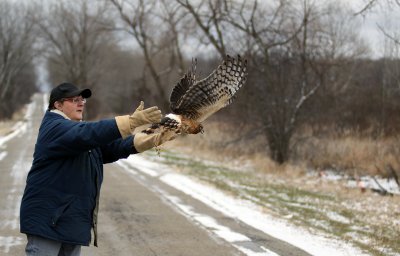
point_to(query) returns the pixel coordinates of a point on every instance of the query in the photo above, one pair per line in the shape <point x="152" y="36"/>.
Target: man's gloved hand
<point x="127" y="123"/>
<point x="143" y="116"/>
<point x="143" y="141"/>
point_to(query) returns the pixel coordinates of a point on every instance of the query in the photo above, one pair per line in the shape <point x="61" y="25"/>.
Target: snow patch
<point x="3" y="155"/>
<point x="6" y="242"/>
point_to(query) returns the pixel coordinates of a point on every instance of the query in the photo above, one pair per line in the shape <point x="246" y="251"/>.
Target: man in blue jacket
<point x="60" y="202"/>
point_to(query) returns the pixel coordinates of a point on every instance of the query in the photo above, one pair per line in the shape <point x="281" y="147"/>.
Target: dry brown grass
<point x="348" y="153"/>
<point x="352" y="154"/>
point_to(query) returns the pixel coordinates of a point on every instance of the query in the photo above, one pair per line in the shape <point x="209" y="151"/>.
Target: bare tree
<point x="209" y="17"/>
<point x="391" y="47"/>
<point x="389" y="83"/>
<point x="294" y="53"/>
<point x="141" y="19"/>
<point x="76" y="36"/>
<point x="17" y="51"/>
<point x="120" y="86"/>
<point x="268" y="30"/>
<point x="382" y="5"/>
<point x="172" y="15"/>
<point x="262" y="31"/>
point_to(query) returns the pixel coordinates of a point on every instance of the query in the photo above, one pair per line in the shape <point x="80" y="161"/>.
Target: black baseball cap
<point x="67" y="90"/>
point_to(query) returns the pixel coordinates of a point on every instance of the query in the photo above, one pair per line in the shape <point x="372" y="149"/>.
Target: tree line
<point x="307" y="64"/>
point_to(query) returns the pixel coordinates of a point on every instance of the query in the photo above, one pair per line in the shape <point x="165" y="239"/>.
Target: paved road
<point x="137" y="215"/>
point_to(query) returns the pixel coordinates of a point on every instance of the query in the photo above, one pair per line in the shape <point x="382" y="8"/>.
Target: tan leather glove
<point x="127" y="123"/>
<point x="143" y="141"/>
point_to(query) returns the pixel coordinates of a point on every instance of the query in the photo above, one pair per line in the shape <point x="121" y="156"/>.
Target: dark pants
<point x="38" y="246"/>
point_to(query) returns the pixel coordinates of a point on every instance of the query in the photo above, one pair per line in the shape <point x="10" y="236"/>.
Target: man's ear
<point x="58" y="105"/>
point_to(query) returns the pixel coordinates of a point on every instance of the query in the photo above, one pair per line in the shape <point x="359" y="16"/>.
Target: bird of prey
<point x="193" y="101"/>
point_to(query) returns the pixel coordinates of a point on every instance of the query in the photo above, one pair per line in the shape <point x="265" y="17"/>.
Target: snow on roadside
<point x="366" y="182"/>
<point x="245" y="211"/>
<point x="19" y="127"/>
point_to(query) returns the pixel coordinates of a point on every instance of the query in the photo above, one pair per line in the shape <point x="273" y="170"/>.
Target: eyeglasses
<point x="75" y="100"/>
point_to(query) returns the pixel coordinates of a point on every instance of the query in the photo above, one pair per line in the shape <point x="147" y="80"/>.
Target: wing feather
<point x="181" y="89"/>
<point x="198" y="100"/>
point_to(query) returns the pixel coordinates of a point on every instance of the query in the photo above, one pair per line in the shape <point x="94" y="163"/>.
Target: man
<point x="60" y="202"/>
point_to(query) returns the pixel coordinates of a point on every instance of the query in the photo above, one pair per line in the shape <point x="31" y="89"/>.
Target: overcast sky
<point x="383" y="15"/>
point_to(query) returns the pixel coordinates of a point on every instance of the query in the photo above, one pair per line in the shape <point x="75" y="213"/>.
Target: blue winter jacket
<point x="64" y="182"/>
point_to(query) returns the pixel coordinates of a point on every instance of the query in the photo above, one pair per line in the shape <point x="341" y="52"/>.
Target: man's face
<point x="73" y="107"/>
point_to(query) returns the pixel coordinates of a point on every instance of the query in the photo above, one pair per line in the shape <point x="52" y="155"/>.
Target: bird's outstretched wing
<point x="181" y="88"/>
<point x="197" y="100"/>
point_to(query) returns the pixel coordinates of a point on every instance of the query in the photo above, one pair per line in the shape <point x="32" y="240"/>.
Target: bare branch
<point x="391" y="37"/>
<point x="205" y="25"/>
<point x="367" y="7"/>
